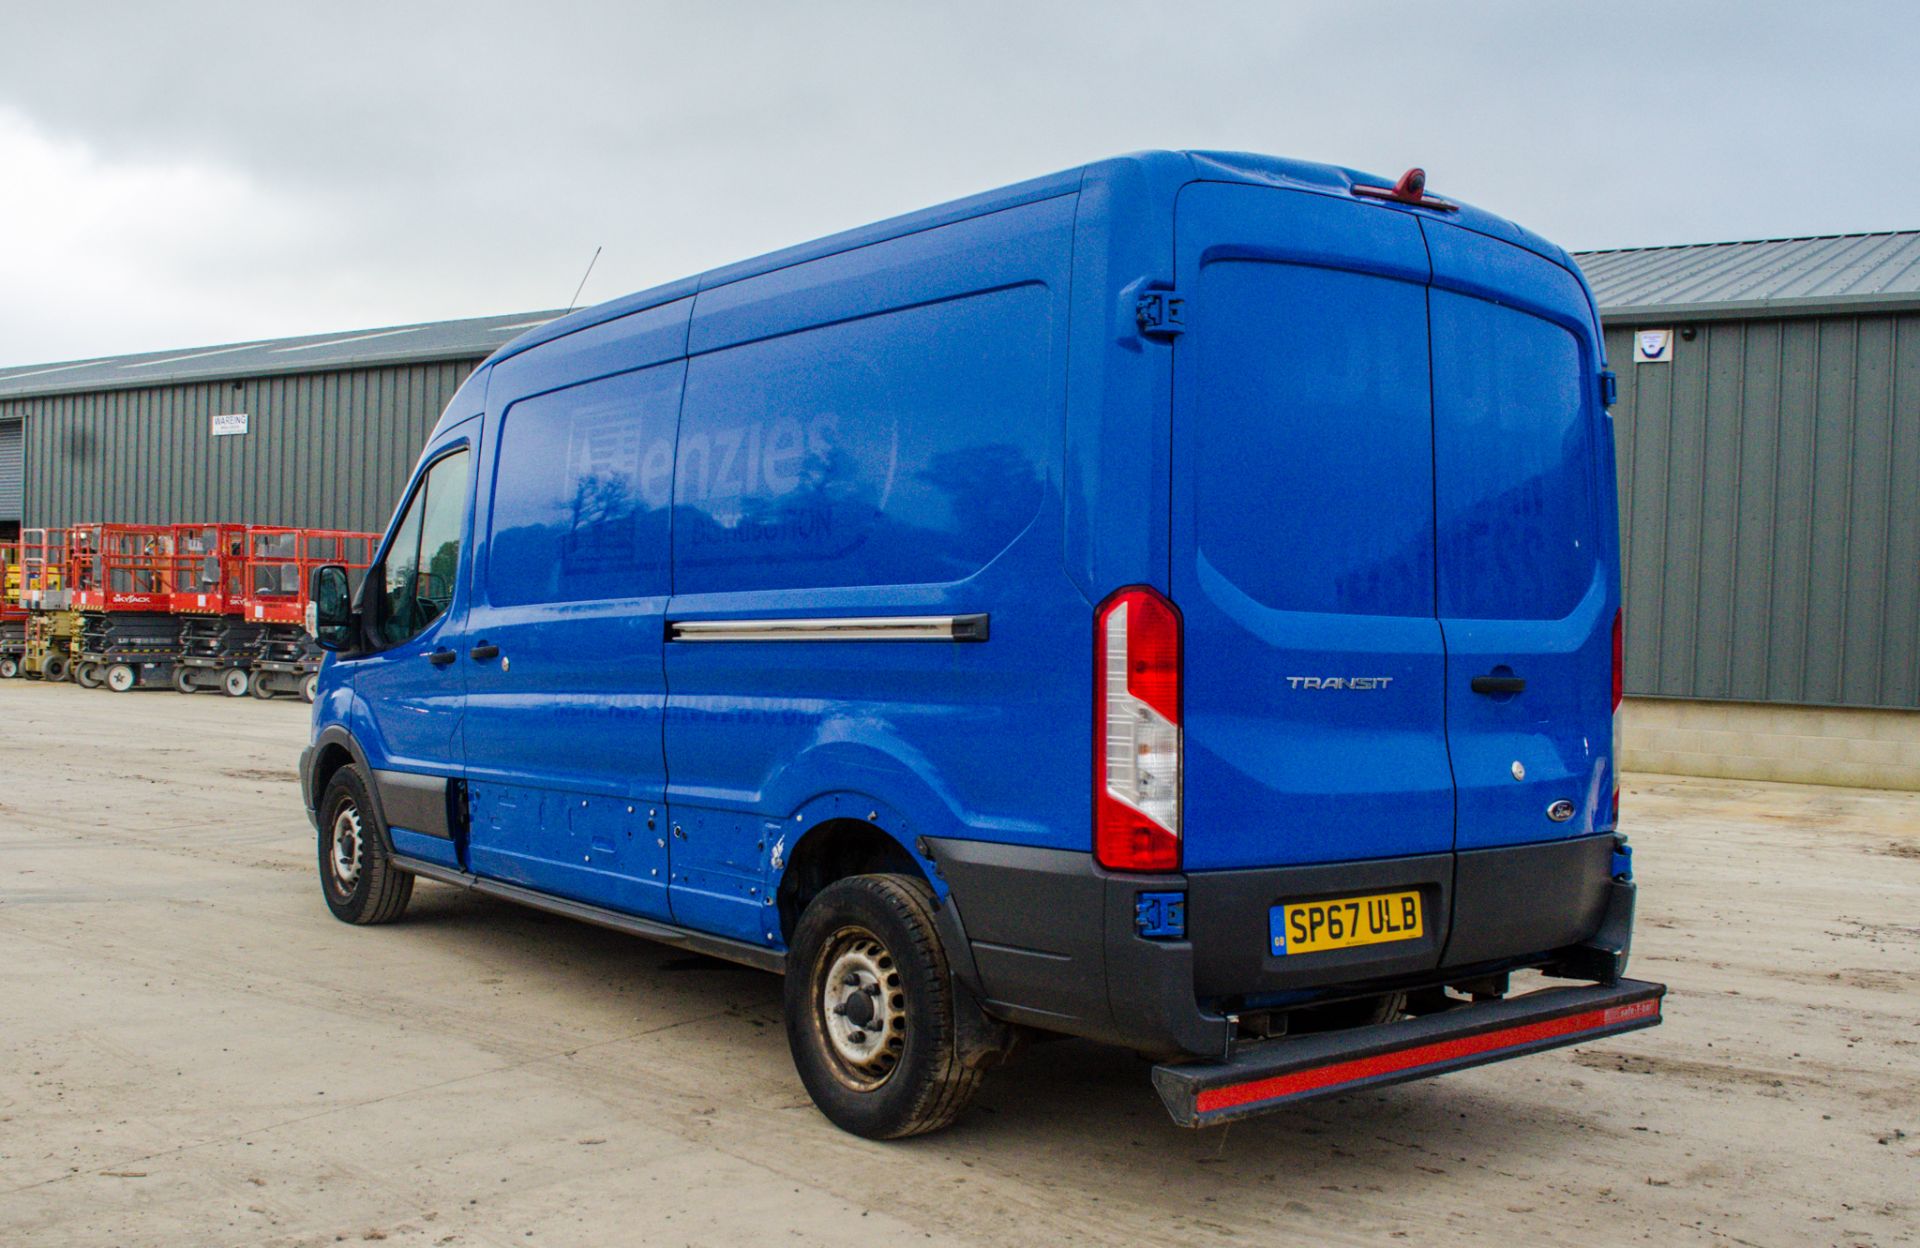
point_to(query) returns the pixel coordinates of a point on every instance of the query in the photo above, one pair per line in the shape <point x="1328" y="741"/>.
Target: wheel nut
<point x="858" y="1037"/>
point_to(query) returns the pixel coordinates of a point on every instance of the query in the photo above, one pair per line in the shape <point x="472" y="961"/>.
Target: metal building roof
<point x="474" y="338"/>
<point x="1774" y="276"/>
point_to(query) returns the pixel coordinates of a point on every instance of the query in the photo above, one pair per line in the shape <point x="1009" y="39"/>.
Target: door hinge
<point x="1161" y="313"/>
<point x="1609" y="388"/>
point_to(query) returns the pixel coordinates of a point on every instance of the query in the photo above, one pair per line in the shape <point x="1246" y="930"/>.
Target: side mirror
<point x="330" y="607"/>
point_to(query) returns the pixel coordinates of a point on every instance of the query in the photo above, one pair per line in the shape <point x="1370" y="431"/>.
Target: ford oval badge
<point x="1560" y="811"/>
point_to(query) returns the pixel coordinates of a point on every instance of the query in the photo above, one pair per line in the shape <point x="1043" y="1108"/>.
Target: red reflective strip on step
<point x="1421" y="1055"/>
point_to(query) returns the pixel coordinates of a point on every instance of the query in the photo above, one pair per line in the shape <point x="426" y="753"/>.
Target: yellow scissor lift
<point x="13" y="612"/>
<point x="52" y="626"/>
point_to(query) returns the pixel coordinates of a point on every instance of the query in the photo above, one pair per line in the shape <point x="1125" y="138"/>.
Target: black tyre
<point x="869" y="1006"/>
<point x="55" y="668"/>
<point x="360" y="883"/>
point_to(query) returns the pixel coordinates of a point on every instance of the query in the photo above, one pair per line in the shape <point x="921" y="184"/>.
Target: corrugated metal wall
<point x="12" y="470"/>
<point x="1770" y="497"/>
<point x="322" y="450"/>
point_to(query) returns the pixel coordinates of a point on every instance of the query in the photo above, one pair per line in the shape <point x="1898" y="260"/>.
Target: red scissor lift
<point x="208" y="590"/>
<point x="13" y="610"/>
<point x="122" y="577"/>
<point x="286" y="660"/>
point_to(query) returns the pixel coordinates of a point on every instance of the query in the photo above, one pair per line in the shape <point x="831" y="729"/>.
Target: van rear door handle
<point x="440" y="658"/>
<point x="484" y="651"/>
<point x="1498" y="684"/>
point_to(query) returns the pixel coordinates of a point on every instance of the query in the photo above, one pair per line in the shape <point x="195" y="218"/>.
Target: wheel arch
<point x="334" y="749"/>
<point x="837" y="835"/>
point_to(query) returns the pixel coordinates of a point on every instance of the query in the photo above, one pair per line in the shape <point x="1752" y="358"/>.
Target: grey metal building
<point x="317" y="432"/>
<point x="1769" y="453"/>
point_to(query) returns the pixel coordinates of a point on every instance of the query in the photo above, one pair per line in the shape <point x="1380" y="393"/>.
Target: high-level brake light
<point x="1137" y="751"/>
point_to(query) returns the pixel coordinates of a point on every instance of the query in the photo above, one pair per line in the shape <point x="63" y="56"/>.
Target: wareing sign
<point x="229" y="424"/>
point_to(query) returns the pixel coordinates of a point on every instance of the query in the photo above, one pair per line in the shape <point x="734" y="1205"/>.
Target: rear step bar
<point x="1272" y="1074"/>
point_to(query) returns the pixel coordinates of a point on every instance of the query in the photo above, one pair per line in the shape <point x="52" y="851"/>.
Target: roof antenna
<point x="583" y="280"/>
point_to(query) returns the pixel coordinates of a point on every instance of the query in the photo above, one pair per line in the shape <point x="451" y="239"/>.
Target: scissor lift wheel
<point x="235" y="682"/>
<point x="121" y="677"/>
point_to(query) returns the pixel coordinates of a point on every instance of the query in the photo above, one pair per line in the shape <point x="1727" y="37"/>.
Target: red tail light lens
<point x="1619" y="690"/>
<point x="1619" y="661"/>
<point x="1137" y="746"/>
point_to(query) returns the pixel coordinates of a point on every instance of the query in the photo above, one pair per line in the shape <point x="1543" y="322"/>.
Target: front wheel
<point x="361" y="884"/>
<point x="121" y="677"/>
<point x="9" y="667"/>
<point x="869" y="1010"/>
<point x="235" y="682"/>
<point x="183" y="680"/>
<point x="55" y="668"/>
<point x="309" y="688"/>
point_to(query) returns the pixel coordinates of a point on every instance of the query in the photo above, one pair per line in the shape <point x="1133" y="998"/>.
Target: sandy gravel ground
<point x="193" y="1053"/>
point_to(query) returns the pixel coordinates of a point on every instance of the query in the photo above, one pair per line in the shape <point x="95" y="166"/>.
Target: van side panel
<point x="566" y="770"/>
<point x="1119" y="395"/>
<point x="876" y="433"/>
<point x="1528" y="578"/>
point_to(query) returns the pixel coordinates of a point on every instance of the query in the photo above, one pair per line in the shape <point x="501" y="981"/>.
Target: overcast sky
<point x="186" y="174"/>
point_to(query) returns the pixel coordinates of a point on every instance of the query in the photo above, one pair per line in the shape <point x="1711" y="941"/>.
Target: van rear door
<point x="1303" y="527"/>
<point x="1527" y="579"/>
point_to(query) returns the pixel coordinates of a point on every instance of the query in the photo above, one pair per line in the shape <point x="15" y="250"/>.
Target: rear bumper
<point x="1046" y="938"/>
<point x="1273" y="1074"/>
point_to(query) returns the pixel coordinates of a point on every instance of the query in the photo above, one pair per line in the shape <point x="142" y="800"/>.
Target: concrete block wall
<point x="1869" y="749"/>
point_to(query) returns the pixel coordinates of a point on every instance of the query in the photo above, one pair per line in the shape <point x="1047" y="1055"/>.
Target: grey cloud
<point x="462" y="159"/>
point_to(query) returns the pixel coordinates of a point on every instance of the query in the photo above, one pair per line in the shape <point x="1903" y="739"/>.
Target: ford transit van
<point x="1174" y="603"/>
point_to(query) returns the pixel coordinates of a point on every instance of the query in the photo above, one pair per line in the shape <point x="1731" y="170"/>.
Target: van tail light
<point x="1136" y="731"/>
<point x="1619" y="662"/>
<point x="1619" y="690"/>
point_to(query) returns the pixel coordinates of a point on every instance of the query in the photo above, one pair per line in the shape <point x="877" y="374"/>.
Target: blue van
<point x="1174" y="602"/>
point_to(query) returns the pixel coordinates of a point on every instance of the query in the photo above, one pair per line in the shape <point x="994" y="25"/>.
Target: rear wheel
<point x="309" y="687"/>
<point x="9" y="667"/>
<point x="262" y="689"/>
<point x="55" y="668"/>
<point x="121" y="677"/>
<point x="235" y="682"/>
<point x="361" y="884"/>
<point x="869" y="1010"/>
<point x="183" y="680"/>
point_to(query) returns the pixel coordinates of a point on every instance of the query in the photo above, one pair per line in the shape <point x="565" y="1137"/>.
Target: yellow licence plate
<point x="1316" y="926"/>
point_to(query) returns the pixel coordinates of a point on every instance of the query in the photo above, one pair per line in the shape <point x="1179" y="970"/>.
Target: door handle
<point x="1498" y="684"/>
<point x="484" y="651"/>
<point x="440" y="658"/>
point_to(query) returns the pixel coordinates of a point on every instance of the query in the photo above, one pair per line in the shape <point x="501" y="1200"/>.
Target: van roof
<point x="1169" y="167"/>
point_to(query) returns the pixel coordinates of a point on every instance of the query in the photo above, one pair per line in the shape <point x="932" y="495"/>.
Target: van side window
<point x="416" y="581"/>
<point x="581" y="489"/>
<point x="896" y="449"/>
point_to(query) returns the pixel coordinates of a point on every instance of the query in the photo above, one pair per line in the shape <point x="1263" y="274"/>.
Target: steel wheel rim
<point x="120" y="678"/>
<point x="861" y="1007"/>
<point x="236" y="682"/>
<point x="346" y="840"/>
